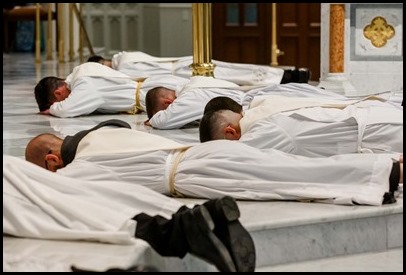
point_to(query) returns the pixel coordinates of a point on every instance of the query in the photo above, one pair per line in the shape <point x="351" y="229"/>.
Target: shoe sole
<point x="226" y="264"/>
<point x="241" y="244"/>
<point x="228" y="207"/>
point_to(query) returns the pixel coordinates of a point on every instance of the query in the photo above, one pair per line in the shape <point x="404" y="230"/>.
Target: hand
<point x="147" y="123"/>
<point x="46" y="112"/>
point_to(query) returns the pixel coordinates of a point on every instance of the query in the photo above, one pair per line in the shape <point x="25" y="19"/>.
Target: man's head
<point x="222" y="103"/>
<point x="158" y="99"/>
<point x="44" y="150"/>
<point x="49" y="90"/>
<point x="101" y="60"/>
<point x="221" y="124"/>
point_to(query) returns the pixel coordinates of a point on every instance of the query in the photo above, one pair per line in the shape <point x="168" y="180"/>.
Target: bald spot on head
<point x="39" y="147"/>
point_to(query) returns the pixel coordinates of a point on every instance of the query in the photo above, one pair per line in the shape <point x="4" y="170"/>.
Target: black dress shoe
<point x="228" y="229"/>
<point x="198" y="227"/>
<point x="301" y="75"/>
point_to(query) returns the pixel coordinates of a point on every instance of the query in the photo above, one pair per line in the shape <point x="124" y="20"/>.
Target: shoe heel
<point x="229" y="208"/>
<point x="204" y="214"/>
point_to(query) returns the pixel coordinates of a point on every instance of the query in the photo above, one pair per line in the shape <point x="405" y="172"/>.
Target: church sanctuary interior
<point x="353" y="50"/>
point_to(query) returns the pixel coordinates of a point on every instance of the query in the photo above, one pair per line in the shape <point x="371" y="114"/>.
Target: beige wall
<point x="168" y="29"/>
<point x="158" y="29"/>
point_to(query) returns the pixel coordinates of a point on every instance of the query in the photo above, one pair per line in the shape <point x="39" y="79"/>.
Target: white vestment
<point x="95" y="87"/>
<point x="290" y="90"/>
<point x="142" y="65"/>
<point x="318" y="131"/>
<point x="264" y="105"/>
<point x="192" y="99"/>
<point x="222" y="167"/>
<point x="41" y="204"/>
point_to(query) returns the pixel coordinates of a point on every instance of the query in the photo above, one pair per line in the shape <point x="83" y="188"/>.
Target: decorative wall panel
<point x="377" y="32"/>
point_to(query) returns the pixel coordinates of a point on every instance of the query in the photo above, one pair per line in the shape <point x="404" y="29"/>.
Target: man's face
<point x="107" y="63"/>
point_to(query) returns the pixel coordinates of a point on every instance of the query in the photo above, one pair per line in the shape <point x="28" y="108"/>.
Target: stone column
<point x="337" y="17"/>
<point x="336" y="79"/>
<point x="201" y="13"/>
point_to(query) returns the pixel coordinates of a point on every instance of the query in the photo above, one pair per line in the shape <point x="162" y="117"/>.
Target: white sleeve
<point x="185" y="109"/>
<point x="41" y="204"/>
<point x="82" y="100"/>
<point x="116" y="59"/>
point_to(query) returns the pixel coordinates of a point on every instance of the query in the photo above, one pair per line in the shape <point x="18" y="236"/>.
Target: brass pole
<point x="49" y="35"/>
<point x="195" y="22"/>
<point x="201" y="19"/>
<point x="37" y="34"/>
<point x="71" y="31"/>
<point x="337" y="18"/>
<point x="274" y="61"/>
<point x="275" y="51"/>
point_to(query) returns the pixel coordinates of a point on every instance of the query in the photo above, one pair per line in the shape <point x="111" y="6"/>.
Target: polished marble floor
<point x="21" y="122"/>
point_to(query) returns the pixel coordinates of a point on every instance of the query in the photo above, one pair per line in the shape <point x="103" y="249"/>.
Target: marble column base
<point x="338" y="83"/>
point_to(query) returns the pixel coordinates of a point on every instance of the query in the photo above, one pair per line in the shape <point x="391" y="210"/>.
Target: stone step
<point x="291" y="232"/>
<point x="385" y="261"/>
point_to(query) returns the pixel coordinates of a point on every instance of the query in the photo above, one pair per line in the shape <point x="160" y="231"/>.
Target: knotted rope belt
<point x="175" y="164"/>
<point x="137" y="106"/>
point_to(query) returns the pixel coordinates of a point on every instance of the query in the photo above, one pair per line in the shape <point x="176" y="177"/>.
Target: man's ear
<point x="58" y="92"/>
<point x="54" y="162"/>
<point x="168" y="101"/>
<point x="61" y="92"/>
<point x="230" y="133"/>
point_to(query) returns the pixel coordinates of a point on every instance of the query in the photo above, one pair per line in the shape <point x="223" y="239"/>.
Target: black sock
<point x="165" y="236"/>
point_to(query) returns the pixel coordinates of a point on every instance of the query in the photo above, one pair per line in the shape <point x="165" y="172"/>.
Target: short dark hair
<point x="95" y="58"/>
<point x="206" y="126"/>
<point x="151" y="99"/>
<point x="222" y="103"/>
<point x="44" y="91"/>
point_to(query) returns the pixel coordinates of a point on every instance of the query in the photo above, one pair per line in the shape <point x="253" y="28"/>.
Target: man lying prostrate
<point x="173" y="109"/>
<point x="367" y="126"/>
<point x="141" y="65"/>
<point x="92" y="87"/>
<point x="43" y="205"/>
<point x="209" y="170"/>
<point x="170" y="109"/>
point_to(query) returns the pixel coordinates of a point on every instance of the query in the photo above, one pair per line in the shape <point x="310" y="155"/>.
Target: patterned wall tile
<point x="376" y="32"/>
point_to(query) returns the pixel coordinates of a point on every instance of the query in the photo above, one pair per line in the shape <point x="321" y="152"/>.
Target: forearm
<point x="175" y="117"/>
